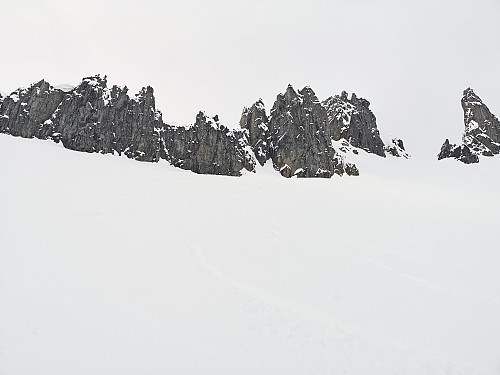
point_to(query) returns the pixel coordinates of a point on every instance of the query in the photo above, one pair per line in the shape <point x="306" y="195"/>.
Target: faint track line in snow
<point x="345" y="338"/>
<point x="417" y="280"/>
<point x="104" y="213"/>
<point x="414" y="259"/>
<point x="431" y="284"/>
<point x="265" y="297"/>
<point x="45" y="322"/>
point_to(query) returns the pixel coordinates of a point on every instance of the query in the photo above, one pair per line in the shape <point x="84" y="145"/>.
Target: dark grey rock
<point x="208" y="147"/>
<point x="351" y="169"/>
<point x="24" y="112"/>
<point x="255" y="120"/>
<point x="352" y="120"/>
<point x="300" y="133"/>
<point x="298" y="136"/>
<point x="481" y="135"/>
<point x="396" y="148"/>
<point x="459" y="152"/>
<point x="298" y="142"/>
<point x="94" y="118"/>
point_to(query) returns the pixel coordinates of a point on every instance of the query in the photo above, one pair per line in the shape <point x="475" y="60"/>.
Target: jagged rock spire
<point x="255" y="121"/>
<point x="481" y="135"/>
<point x="300" y="132"/>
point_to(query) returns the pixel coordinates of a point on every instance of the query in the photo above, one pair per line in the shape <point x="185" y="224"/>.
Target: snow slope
<point x="111" y="266"/>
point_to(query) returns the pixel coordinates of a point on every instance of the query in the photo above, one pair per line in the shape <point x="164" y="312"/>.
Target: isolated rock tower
<point x="482" y="132"/>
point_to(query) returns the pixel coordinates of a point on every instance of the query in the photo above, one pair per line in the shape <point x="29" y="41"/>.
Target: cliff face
<point x="24" y="112"/>
<point x="299" y="135"/>
<point x="207" y="148"/>
<point x="299" y="145"/>
<point x="90" y="118"/>
<point x="94" y="118"/>
<point x="352" y="120"/>
<point x="481" y="135"/>
<point x="256" y="122"/>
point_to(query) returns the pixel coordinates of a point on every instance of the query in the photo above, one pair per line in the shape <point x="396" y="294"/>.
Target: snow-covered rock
<point x="24" y="112"/>
<point x="482" y="132"/>
<point x="301" y="133"/>
<point x="208" y="147"/>
<point x="396" y="148"/>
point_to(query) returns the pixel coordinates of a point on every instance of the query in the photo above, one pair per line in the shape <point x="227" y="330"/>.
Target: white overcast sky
<point x="410" y="59"/>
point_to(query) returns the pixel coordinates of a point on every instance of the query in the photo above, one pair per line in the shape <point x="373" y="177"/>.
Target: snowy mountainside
<point x="113" y="266"/>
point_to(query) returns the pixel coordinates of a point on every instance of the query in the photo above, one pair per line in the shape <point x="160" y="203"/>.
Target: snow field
<point x="108" y="265"/>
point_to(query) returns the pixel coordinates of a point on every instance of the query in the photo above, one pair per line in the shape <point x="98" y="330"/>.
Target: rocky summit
<point x="301" y="135"/>
<point x="307" y="138"/>
<point x="482" y="132"/>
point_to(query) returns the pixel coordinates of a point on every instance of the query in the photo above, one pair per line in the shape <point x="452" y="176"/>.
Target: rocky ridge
<point x="207" y="147"/>
<point x="481" y="135"/>
<point x="301" y="136"/>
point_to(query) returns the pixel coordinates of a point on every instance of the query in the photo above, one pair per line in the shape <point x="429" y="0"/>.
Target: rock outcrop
<point x="208" y="148"/>
<point x="302" y="136"/>
<point x="255" y="121"/>
<point x="352" y="120"/>
<point x="482" y="132"/>
<point x="24" y="112"/>
<point x="90" y="118"/>
<point x="299" y="142"/>
<point x="95" y="118"/>
<point x="396" y="148"/>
